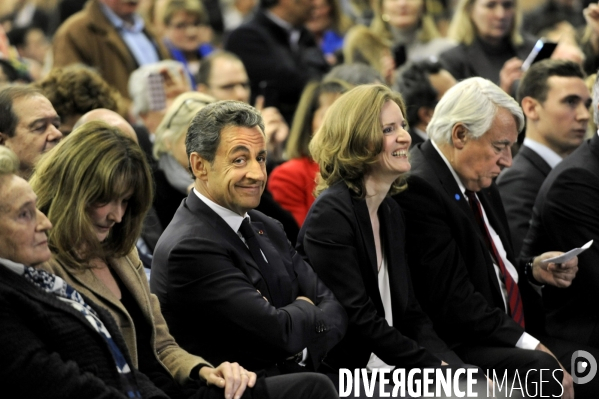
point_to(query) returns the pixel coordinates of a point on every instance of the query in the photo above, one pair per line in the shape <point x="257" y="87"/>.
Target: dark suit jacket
<point x="518" y="186"/>
<point x="566" y="216"/>
<point x="452" y="270"/>
<point x="477" y="59"/>
<point x="416" y="139"/>
<point x="48" y="349"/>
<point x="210" y="291"/>
<point x="276" y="71"/>
<point x="337" y="239"/>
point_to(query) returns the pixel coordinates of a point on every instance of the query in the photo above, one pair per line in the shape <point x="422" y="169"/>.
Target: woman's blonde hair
<point x="364" y="46"/>
<point x="301" y="128"/>
<point x="94" y="165"/>
<point x="462" y="29"/>
<point x="351" y="138"/>
<point x="427" y="29"/>
<point x="175" y="122"/>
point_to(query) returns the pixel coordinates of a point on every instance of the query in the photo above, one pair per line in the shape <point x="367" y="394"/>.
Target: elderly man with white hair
<point x="464" y="271"/>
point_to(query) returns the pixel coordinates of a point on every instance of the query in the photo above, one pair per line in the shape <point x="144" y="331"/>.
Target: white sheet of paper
<point x="568" y="255"/>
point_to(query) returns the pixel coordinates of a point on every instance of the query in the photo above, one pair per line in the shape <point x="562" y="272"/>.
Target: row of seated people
<point x="485" y="39"/>
<point x="346" y="298"/>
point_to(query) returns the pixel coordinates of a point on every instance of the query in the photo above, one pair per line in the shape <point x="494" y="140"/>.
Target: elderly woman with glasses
<point x="54" y="342"/>
<point x="187" y="33"/>
<point x="172" y="177"/>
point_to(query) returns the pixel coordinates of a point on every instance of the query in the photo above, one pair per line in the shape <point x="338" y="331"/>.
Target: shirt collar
<point x="231" y="218"/>
<point x="119" y="23"/>
<point x="454" y="174"/>
<point x="420" y="133"/>
<point x="12" y="266"/>
<point x="544" y="152"/>
<point x="279" y="21"/>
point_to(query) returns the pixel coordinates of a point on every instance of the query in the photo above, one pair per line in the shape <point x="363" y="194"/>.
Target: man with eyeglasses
<point x="110" y="36"/>
<point x="480" y="297"/>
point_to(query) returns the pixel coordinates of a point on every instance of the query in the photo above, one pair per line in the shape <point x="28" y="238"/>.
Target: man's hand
<point x="174" y="85"/>
<point x="510" y="72"/>
<point x="557" y="274"/>
<point x="567" y="382"/>
<point x="591" y="15"/>
<point x="230" y="376"/>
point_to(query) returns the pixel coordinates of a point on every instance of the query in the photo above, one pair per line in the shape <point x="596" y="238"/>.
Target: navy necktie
<point x="268" y="271"/>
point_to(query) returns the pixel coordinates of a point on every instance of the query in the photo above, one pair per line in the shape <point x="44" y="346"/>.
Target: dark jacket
<point x="212" y="293"/>
<point x="337" y="240"/>
<point x="452" y="270"/>
<point x="49" y="350"/>
<point x="565" y="216"/>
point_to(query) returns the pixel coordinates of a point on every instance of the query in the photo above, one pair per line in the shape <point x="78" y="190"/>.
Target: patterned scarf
<point x="57" y="286"/>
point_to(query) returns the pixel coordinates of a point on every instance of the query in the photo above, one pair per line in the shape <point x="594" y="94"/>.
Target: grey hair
<point x="596" y="100"/>
<point x="203" y="135"/>
<point x="139" y="90"/>
<point x="473" y="102"/>
<point x="9" y="162"/>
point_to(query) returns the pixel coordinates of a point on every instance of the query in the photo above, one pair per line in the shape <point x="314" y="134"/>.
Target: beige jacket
<point x="89" y="38"/>
<point x="177" y="361"/>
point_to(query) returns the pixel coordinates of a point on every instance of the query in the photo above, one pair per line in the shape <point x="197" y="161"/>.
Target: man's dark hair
<point x="205" y="70"/>
<point x="534" y="82"/>
<point x="413" y="83"/>
<point x="203" y="135"/>
<point x="8" y="95"/>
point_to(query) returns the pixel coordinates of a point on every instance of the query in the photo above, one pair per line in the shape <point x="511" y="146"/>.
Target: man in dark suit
<point x="222" y="262"/>
<point x="464" y="271"/>
<point x="555" y="101"/>
<point x="279" y="53"/>
<point x="421" y="84"/>
<point x="565" y="216"/>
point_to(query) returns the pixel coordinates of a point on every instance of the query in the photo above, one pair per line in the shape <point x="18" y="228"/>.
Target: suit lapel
<point x="113" y="40"/>
<point x="202" y="211"/>
<point x="365" y="227"/>
<point x="535" y="160"/>
<point x="453" y="191"/>
<point x="284" y="273"/>
<point x="393" y="245"/>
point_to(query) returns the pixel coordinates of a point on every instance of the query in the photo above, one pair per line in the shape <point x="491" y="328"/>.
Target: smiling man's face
<point x="237" y="176"/>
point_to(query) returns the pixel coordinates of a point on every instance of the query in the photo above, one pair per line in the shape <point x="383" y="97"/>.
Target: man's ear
<point x="530" y="107"/>
<point x="199" y="166"/>
<point x="459" y="135"/>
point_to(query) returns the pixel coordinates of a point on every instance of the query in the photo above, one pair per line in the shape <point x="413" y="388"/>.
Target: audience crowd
<point x="244" y="198"/>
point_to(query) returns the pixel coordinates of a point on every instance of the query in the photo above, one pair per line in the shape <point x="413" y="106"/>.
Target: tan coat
<point x="130" y="270"/>
<point x="89" y="38"/>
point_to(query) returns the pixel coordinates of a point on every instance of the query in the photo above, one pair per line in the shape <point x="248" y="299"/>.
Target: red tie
<point x="513" y="292"/>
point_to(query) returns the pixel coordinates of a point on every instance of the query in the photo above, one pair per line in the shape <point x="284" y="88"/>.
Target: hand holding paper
<point x="557" y="268"/>
<point x="569" y="255"/>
